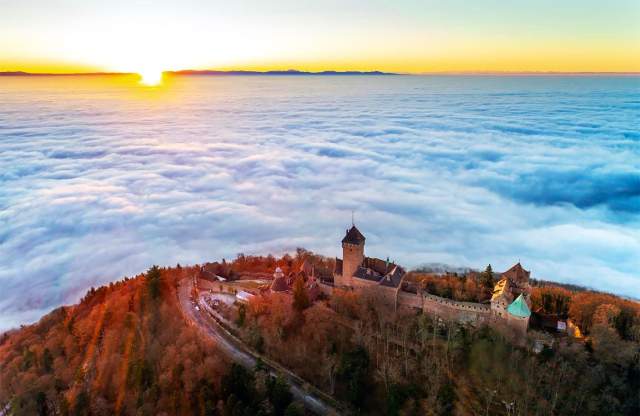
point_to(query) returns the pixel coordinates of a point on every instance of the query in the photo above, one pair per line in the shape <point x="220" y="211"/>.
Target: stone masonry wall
<point x="446" y="308"/>
<point x="326" y="289"/>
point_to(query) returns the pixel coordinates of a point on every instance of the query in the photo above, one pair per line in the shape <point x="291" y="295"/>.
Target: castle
<point x="508" y="310"/>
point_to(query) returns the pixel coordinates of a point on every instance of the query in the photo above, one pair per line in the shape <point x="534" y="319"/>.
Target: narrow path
<point x="241" y="354"/>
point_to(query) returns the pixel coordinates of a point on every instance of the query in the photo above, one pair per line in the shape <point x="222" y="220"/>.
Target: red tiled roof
<point x="517" y="274"/>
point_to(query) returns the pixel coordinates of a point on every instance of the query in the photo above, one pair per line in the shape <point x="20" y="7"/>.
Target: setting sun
<point x="150" y="77"/>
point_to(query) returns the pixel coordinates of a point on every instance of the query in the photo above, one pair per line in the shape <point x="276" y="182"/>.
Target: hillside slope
<point x="124" y="349"/>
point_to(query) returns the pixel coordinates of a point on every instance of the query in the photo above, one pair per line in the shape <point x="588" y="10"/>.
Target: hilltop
<point x="126" y="349"/>
<point x="123" y="347"/>
<point x="130" y="348"/>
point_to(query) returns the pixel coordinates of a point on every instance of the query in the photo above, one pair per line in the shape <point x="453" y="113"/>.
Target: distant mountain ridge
<point x="210" y="72"/>
<point x="442" y="268"/>
<point x="331" y="72"/>
<point x="48" y="74"/>
<point x="286" y="72"/>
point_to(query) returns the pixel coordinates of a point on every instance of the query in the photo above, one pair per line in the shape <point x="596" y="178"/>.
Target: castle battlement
<point x="460" y="305"/>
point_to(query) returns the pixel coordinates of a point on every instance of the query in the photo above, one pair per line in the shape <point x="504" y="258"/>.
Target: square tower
<point x="352" y="255"/>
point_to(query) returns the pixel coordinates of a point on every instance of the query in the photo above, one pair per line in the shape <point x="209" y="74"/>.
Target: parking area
<point x="232" y="287"/>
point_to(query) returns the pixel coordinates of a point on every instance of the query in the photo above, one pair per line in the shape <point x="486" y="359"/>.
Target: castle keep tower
<point x="352" y="255"/>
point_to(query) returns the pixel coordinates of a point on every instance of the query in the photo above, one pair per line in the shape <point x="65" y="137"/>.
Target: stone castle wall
<point x="467" y="312"/>
<point x="451" y="310"/>
<point x="410" y="300"/>
<point x="362" y="283"/>
<point x="325" y="288"/>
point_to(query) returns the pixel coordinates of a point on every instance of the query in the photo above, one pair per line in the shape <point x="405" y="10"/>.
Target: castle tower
<point x="352" y="255"/>
<point x="519" y="314"/>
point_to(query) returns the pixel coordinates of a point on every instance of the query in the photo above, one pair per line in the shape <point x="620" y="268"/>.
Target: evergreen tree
<point x="486" y="278"/>
<point x="294" y="409"/>
<point x="47" y="361"/>
<point x="279" y="394"/>
<point x="300" y="295"/>
<point x="154" y="277"/>
<point x="41" y="404"/>
<point x="82" y="404"/>
<point x="242" y="314"/>
<point x="238" y="383"/>
<point x="354" y="372"/>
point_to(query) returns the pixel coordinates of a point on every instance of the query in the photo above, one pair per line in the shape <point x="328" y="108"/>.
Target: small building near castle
<point x="279" y="283"/>
<point x="282" y="283"/>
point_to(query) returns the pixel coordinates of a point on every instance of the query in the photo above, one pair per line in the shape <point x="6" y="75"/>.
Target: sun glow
<point x="150" y="77"/>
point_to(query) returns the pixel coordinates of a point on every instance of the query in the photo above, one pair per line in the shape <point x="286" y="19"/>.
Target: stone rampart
<point x="325" y="288"/>
<point x="409" y="300"/>
<point x="448" y="309"/>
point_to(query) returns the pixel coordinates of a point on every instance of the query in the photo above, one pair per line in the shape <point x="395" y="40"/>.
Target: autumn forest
<point x="126" y="349"/>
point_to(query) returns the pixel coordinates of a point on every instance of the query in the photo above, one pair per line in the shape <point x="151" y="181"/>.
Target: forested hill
<point x="124" y="349"/>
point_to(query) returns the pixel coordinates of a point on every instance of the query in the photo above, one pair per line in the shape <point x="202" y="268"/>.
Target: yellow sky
<point x="401" y="36"/>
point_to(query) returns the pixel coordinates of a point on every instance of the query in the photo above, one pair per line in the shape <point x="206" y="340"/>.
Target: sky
<point x="101" y="178"/>
<point x="400" y="35"/>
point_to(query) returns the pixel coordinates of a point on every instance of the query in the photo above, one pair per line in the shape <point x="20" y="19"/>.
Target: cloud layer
<point x="98" y="181"/>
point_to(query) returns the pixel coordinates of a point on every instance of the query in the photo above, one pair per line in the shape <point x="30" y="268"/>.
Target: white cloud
<point x="96" y="184"/>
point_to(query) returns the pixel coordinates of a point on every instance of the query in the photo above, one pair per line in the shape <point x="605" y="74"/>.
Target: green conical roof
<point x="519" y="308"/>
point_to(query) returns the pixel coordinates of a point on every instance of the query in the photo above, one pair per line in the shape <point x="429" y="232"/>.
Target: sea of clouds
<point x="100" y="179"/>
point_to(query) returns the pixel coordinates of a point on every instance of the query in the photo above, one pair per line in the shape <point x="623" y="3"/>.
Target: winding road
<point x="242" y="355"/>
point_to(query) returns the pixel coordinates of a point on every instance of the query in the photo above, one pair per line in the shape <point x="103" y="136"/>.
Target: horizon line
<point x="214" y="72"/>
